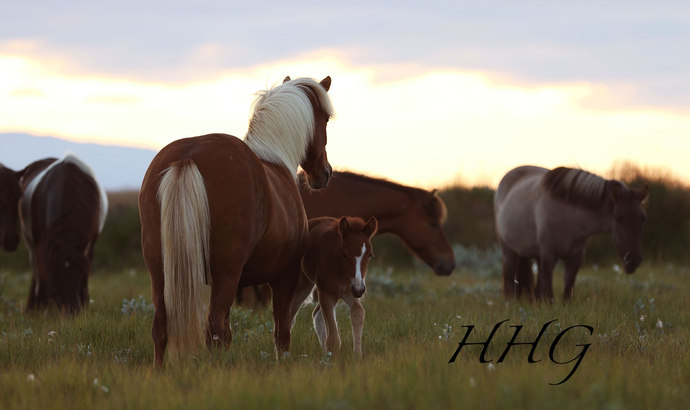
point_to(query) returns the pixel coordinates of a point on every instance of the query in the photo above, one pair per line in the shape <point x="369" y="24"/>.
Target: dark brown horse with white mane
<point x="415" y="215"/>
<point x="551" y="215"/>
<point x="62" y="212"/>
<point x="10" y="191"/>
<point x="221" y="211"/>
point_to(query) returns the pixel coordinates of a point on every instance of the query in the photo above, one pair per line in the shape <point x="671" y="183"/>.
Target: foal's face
<point x="355" y="254"/>
<point x="9" y="208"/>
<point x="316" y="164"/>
<point x="628" y="222"/>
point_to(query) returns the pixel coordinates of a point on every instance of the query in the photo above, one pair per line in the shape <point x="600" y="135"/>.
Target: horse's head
<point x="64" y="269"/>
<point x="315" y="163"/>
<point x="422" y="232"/>
<point x="355" y="251"/>
<point x="10" y="191"/>
<point x="628" y="222"/>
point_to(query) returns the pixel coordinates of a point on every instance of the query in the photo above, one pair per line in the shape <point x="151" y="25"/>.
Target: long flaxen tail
<point x="185" y="237"/>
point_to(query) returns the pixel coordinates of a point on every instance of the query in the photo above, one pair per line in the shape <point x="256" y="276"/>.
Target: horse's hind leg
<point x="572" y="266"/>
<point x="511" y="265"/>
<point x="283" y="292"/>
<point x="223" y="291"/>
<point x="304" y="288"/>
<point x="525" y="278"/>
<point x="160" y="317"/>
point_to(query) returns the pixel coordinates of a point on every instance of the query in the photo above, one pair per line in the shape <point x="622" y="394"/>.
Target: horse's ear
<point x="326" y="83"/>
<point x="343" y="225"/>
<point x="286" y="79"/>
<point x="616" y="191"/>
<point x="20" y="174"/>
<point x="371" y="227"/>
<point x="643" y="194"/>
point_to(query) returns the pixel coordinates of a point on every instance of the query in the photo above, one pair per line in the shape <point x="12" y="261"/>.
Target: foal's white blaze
<point x="358" y="265"/>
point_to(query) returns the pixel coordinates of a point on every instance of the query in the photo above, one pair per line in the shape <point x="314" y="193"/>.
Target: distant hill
<point x="117" y="168"/>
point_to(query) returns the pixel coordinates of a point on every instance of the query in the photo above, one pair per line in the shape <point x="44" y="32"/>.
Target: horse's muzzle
<point x="444" y="267"/>
<point x="631" y="266"/>
<point x="358" y="290"/>
<point x="322" y="181"/>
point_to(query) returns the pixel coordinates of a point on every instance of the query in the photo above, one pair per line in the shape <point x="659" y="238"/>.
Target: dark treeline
<point x="470" y="224"/>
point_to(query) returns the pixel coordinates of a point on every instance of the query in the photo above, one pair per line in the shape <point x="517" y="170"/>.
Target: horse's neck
<point x="598" y="222"/>
<point x="386" y="203"/>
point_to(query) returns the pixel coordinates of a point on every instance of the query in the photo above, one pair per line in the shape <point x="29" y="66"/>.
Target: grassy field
<point x="638" y="357"/>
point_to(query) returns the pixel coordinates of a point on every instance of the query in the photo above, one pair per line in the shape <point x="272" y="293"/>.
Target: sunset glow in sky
<point x="427" y="117"/>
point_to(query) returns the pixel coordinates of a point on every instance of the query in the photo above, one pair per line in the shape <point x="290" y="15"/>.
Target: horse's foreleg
<point x="328" y="303"/>
<point x="572" y="266"/>
<point x="357" y="319"/>
<point x="544" y="289"/>
<point x="283" y="292"/>
<point x="319" y="325"/>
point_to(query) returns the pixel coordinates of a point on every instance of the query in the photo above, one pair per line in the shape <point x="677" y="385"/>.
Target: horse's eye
<point x="345" y="255"/>
<point x="434" y="224"/>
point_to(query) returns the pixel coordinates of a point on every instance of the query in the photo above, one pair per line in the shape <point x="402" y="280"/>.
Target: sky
<point x="426" y="93"/>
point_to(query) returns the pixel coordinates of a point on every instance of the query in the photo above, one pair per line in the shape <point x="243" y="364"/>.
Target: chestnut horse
<point x="10" y="191"/>
<point x="415" y="215"/>
<point x="62" y="212"/>
<point x="218" y="210"/>
<point x="551" y="215"/>
<point x="336" y="263"/>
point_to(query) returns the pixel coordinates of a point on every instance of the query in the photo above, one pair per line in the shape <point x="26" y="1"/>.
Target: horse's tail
<point x="185" y="238"/>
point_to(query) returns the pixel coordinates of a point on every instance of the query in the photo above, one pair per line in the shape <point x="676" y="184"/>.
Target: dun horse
<point x="551" y="215"/>
<point x="414" y="215"/>
<point x="10" y="191"/>
<point x="225" y="212"/>
<point x="62" y="212"/>
<point x="336" y="262"/>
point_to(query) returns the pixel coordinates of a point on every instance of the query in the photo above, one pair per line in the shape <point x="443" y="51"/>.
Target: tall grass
<point x="103" y="357"/>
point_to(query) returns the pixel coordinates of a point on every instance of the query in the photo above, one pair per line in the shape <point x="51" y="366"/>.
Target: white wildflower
<point x="642" y="318"/>
<point x="30" y="378"/>
<point x="491" y="367"/>
<point x="472" y="383"/>
<point x="659" y="324"/>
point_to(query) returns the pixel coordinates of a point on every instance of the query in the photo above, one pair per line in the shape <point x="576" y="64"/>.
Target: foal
<point x="336" y="262"/>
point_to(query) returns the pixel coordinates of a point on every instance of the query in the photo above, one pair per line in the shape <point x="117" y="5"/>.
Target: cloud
<point x="639" y="46"/>
<point x="423" y="128"/>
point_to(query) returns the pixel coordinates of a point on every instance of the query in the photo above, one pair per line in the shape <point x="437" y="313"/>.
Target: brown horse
<point x="414" y="215"/>
<point x="551" y="215"/>
<point x="10" y="191"/>
<point x="62" y="212"/>
<point x="336" y="262"/>
<point x="218" y="210"/>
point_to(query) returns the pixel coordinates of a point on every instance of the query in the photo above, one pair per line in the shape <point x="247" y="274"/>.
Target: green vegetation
<point x="103" y="358"/>
<point x="638" y="357"/>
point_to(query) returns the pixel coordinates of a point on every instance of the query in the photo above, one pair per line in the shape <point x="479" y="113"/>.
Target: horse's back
<point x="63" y="191"/>
<point x="251" y="204"/>
<point x="515" y="203"/>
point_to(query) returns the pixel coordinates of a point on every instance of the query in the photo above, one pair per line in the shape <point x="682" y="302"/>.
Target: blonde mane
<point x="282" y="121"/>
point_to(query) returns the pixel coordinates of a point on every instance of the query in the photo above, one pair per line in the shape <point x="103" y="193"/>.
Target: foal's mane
<point x="282" y="121"/>
<point x="577" y="187"/>
<point x="435" y="208"/>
